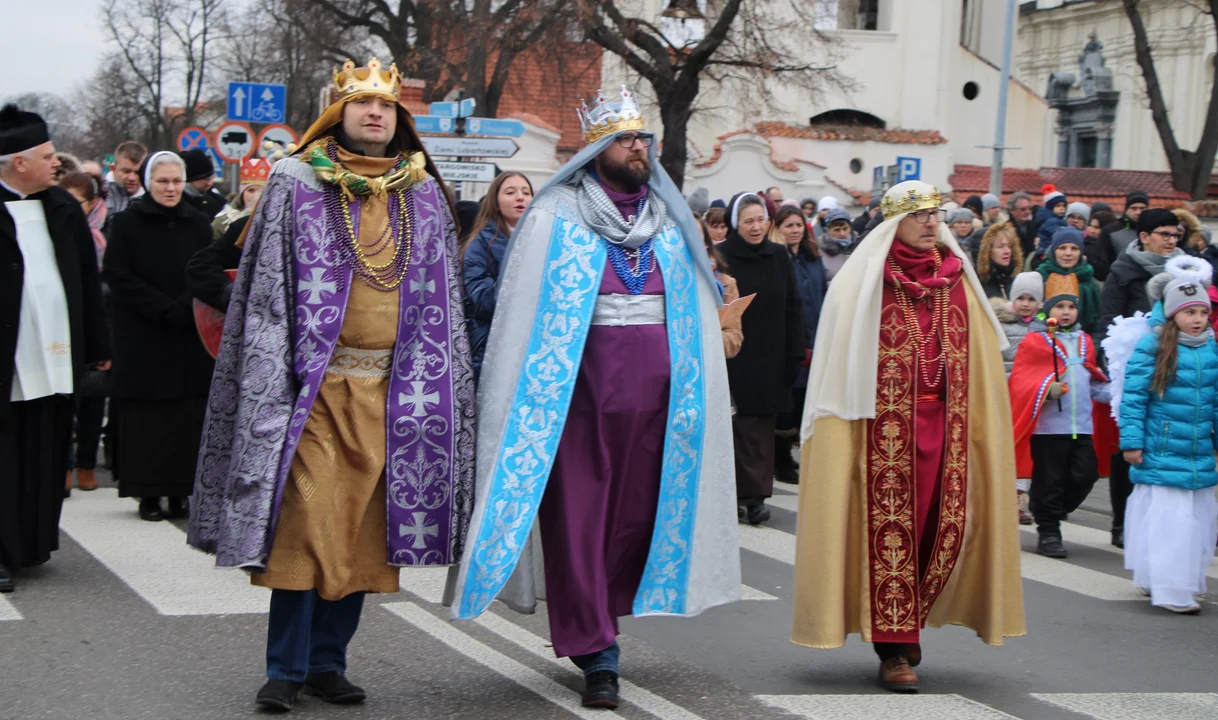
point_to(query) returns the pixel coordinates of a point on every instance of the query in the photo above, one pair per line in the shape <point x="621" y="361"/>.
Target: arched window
<point x="847" y="117"/>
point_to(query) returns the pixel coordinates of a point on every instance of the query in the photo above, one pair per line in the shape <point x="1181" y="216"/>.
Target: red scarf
<point x="920" y="273"/>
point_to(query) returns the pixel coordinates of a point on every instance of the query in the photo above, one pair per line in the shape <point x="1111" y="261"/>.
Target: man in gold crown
<point x="339" y="438"/>
<point x="604" y="407"/>
<point x="907" y="515"/>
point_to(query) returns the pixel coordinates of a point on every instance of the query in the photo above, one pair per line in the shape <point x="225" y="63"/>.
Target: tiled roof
<point x="854" y="133"/>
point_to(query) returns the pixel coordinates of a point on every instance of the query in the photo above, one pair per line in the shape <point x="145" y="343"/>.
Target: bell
<point x="683" y="10"/>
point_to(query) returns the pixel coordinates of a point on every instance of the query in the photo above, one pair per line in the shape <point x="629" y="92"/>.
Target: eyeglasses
<point x="923" y="216"/>
<point x="1170" y="236"/>
<point x="629" y="139"/>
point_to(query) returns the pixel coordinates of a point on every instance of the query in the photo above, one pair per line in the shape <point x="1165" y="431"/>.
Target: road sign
<point x="470" y="147"/>
<point x="433" y="124"/>
<point x="467" y="172"/>
<point x="256" y="102"/>
<point x="465" y="108"/>
<point x="217" y="162"/>
<point x="235" y="141"/>
<point x="193" y="137"/>
<point x="911" y="168"/>
<point x="877" y="182"/>
<point x="279" y="135"/>
<point x="489" y="126"/>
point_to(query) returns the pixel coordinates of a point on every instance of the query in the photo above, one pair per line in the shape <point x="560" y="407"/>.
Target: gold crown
<point x="371" y="80"/>
<point x="605" y="119"/>
<point x="911" y="201"/>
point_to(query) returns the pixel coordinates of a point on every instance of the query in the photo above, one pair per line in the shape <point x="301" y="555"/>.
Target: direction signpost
<point x="433" y="124"/>
<point x="467" y="172"/>
<point x="470" y="147"/>
<point x="257" y="102"/>
<point x="459" y="109"/>
<point x="489" y="126"/>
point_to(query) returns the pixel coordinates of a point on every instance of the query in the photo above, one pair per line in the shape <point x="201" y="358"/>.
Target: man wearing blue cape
<point x="603" y="409"/>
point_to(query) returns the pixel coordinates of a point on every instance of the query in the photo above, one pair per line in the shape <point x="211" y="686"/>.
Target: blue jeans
<point x="606" y="659"/>
<point x="307" y="635"/>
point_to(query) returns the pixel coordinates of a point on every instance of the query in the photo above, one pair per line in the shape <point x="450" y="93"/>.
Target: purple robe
<point x="599" y="508"/>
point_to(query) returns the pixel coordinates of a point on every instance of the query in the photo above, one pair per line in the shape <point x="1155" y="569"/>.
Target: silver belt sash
<point x="622" y="310"/>
<point x="357" y="363"/>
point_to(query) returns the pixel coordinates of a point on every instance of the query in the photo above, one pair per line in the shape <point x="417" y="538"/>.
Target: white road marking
<point x="493" y="659"/>
<point x="868" y="707"/>
<point x="152" y="558"/>
<point x="772" y="543"/>
<point x="1136" y="706"/>
<point x="1075" y="578"/>
<point x="8" y="611"/>
<point x="784" y="502"/>
<point x="1098" y="540"/>
<point x="426" y="582"/>
<point x="645" y="700"/>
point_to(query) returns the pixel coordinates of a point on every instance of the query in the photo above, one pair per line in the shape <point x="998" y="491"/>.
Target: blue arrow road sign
<point x="433" y="124"/>
<point x="257" y="102"/>
<point x="465" y="108"/>
<point x="487" y="126"/>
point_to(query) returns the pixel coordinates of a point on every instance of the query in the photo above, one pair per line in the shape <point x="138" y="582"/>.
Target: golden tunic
<point x="331" y="528"/>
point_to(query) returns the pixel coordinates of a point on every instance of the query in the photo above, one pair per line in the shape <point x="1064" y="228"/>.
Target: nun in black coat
<point x="775" y="348"/>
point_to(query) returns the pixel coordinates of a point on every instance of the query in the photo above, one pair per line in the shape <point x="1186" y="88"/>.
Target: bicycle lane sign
<point x="257" y="102"/>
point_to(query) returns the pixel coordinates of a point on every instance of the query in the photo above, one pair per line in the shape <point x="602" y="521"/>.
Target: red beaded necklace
<point x="939" y="305"/>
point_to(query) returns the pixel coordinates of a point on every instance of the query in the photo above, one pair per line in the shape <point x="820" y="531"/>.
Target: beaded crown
<point x="374" y="79"/>
<point x="606" y="119"/>
<point x="906" y="200"/>
<point x="255" y="171"/>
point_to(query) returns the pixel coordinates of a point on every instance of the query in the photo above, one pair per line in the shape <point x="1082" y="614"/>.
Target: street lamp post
<point x="1000" y="132"/>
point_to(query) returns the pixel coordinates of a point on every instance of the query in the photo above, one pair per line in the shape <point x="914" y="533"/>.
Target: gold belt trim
<point x="357" y="363"/>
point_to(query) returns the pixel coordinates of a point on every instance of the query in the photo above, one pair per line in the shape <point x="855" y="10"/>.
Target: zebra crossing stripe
<point x="638" y="697"/>
<point x="1136" y="706"/>
<point x="490" y="658"/>
<point x="868" y="707"/>
<point x="1099" y="540"/>
<point x="152" y="558"/>
<point x="8" y="611"/>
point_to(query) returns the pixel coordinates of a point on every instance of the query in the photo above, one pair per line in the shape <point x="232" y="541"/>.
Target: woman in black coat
<point x="775" y="348"/>
<point x="161" y="371"/>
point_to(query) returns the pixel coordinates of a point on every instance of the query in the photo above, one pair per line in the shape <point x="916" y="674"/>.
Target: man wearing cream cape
<point x="603" y="409"/>
<point x="906" y="513"/>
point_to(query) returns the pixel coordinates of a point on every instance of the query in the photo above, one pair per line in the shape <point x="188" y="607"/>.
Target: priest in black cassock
<point x="51" y="328"/>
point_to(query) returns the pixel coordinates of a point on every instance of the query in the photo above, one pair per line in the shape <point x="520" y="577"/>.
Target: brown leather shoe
<point x="86" y="479"/>
<point x="913" y="653"/>
<point x="896" y="675"/>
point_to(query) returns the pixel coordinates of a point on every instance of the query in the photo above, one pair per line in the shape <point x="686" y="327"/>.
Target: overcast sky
<point x="49" y="45"/>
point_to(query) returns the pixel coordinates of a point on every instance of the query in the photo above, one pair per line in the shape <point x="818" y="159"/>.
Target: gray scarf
<point x="1196" y="341"/>
<point x="603" y="217"/>
<point x="1153" y="263"/>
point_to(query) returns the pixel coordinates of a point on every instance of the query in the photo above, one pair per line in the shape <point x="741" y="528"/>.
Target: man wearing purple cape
<point x="603" y="405"/>
<point x="339" y="441"/>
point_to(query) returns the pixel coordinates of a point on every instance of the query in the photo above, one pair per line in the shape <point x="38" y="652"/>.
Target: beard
<point x="624" y="173"/>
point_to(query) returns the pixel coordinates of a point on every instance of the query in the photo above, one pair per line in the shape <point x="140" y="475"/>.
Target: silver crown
<point x="606" y="119"/>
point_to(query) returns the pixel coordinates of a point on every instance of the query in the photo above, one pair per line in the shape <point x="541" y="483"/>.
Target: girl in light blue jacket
<point x="1167" y="419"/>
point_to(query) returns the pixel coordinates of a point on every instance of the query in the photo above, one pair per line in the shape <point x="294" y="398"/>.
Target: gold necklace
<point x="375" y="273"/>
<point x="940" y="305"/>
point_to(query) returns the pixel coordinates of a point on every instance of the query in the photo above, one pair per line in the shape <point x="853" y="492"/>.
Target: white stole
<point x="43" y="362"/>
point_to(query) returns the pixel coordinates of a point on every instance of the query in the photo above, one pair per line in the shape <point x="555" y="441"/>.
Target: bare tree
<point x="1190" y="169"/>
<point x="745" y="45"/>
<point x="450" y="44"/>
<point x="111" y="109"/>
<point x="63" y="122"/>
<point x="166" y="45"/>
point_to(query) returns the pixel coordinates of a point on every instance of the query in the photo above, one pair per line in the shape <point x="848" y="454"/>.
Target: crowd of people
<point x="637" y="363"/>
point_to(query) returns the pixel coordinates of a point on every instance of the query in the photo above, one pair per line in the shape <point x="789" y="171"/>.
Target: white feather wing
<point x="1123" y="336"/>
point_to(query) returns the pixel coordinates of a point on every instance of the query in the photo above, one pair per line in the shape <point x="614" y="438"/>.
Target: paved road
<point x="127" y="623"/>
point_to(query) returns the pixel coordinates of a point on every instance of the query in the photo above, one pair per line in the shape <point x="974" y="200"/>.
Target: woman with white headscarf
<point x="161" y="372"/>
<point x="762" y="374"/>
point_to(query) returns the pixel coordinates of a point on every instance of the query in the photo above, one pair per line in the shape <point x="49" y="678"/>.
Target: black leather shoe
<point x="179" y="507"/>
<point x="6" y="580"/>
<point x="1051" y="546"/>
<point x="1118" y="537"/>
<point x="150" y="509"/>
<point x="334" y="687"/>
<point x="600" y="690"/>
<point x="757" y="514"/>
<point x="279" y="695"/>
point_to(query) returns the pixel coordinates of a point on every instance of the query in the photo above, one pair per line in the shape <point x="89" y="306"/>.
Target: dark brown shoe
<point x="86" y="479"/>
<point x="913" y="653"/>
<point x="896" y="675"/>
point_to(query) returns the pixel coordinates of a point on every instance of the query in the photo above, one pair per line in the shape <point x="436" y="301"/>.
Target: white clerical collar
<point x="13" y="190"/>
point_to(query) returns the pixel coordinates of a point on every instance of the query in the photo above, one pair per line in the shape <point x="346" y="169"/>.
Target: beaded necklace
<point x="634" y="278"/>
<point x="939" y="305"/>
<point x="387" y="276"/>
